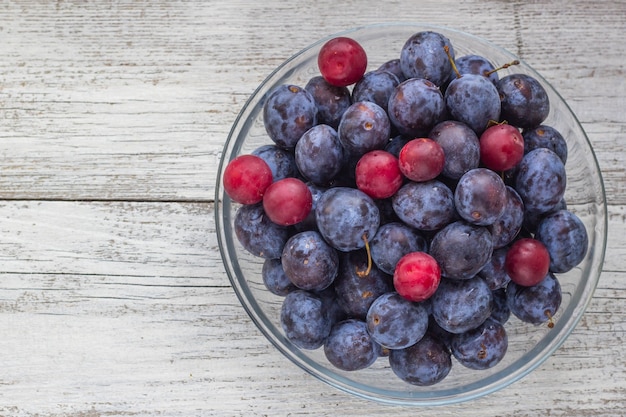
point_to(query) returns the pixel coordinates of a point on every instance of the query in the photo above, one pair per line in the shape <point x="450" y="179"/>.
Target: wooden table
<point x="113" y="114"/>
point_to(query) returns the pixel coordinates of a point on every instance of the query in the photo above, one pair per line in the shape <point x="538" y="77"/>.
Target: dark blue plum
<point x="393" y="66"/>
<point x="438" y="332"/>
<point x="331" y="101"/>
<point x="258" y="234"/>
<point x="364" y="127"/>
<point x="304" y="319"/>
<point x="533" y="218"/>
<point x="355" y="290"/>
<point x="536" y="304"/>
<point x="524" y="101"/>
<point x="461" y="305"/>
<point x="393" y="241"/>
<point x="319" y="155"/>
<point x="508" y="225"/>
<point x="347" y="176"/>
<point x="349" y="346"/>
<point x="331" y="305"/>
<point x="415" y="107"/>
<point x="310" y="223"/>
<point x="288" y="112"/>
<point x="309" y="262"/>
<point x="384" y="352"/>
<point x="275" y="279"/>
<point x="427" y="305"/>
<point x="424" y="205"/>
<point x="545" y="137"/>
<point x="461" y="147"/>
<point x="476" y="64"/>
<point x="541" y="180"/>
<point x="395" y="322"/>
<point x="347" y="217"/>
<point x="461" y="249"/>
<point x="494" y="272"/>
<point x="385" y="208"/>
<point x="281" y="162"/>
<point x="423" y="56"/>
<point x="500" y="309"/>
<point x="425" y="363"/>
<point x="375" y="86"/>
<point x="474" y="100"/>
<point x="565" y="237"/>
<point x="483" y="347"/>
<point x="480" y="196"/>
<point x="396" y="144"/>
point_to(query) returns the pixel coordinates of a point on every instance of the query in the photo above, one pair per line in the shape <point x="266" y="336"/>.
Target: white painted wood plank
<point x="202" y="356"/>
<point x="129" y="342"/>
<point x="169" y="240"/>
<point x="156" y="241"/>
<point x="135" y="101"/>
<point x="122" y="307"/>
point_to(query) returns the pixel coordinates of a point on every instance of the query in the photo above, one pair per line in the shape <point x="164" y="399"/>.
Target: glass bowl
<point x="529" y="345"/>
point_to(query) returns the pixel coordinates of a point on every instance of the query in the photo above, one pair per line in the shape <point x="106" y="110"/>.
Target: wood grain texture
<point x="113" y="114"/>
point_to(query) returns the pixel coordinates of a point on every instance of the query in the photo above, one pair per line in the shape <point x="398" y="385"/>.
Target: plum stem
<point x="550" y="319"/>
<point x="504" y="66"/>
<point x="369" y="258"/>
<point x="454" y="68"/>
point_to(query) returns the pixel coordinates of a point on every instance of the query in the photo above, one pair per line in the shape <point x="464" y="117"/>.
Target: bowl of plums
<point x="411" y="214"/>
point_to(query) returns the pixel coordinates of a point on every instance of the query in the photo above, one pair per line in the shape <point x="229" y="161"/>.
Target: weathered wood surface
<point x="113" y="298"/>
